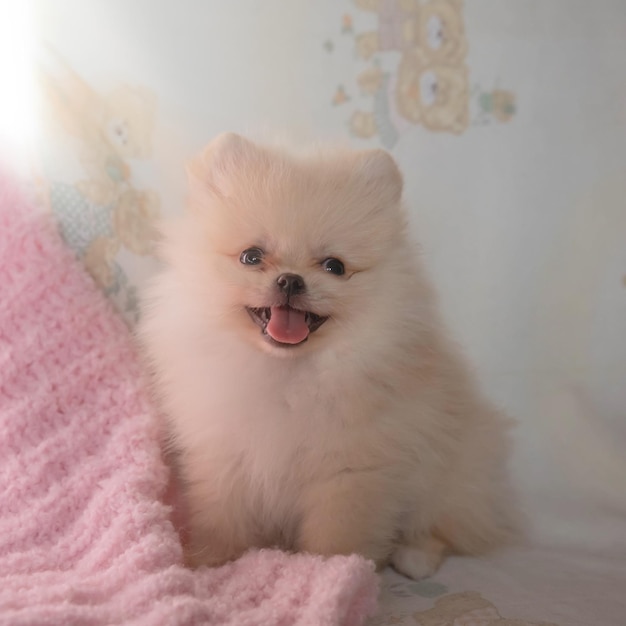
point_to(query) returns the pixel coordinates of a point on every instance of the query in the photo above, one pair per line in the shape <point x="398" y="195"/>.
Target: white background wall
<point x="523" y="224"/>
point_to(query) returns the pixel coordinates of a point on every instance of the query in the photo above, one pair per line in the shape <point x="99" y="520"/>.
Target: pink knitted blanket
<point x="84" y="537"/>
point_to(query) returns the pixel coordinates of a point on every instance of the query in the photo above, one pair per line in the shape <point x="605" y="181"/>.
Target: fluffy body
<point x="369" y="437"/>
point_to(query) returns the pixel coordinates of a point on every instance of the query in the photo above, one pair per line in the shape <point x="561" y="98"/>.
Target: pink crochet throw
<point x="85" y="537"/>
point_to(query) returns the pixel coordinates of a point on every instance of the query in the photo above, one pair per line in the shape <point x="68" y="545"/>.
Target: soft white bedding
<point x="528" y="587"/>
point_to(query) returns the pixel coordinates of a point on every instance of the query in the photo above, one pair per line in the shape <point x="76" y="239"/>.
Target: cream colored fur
<point x="371" y="436"/>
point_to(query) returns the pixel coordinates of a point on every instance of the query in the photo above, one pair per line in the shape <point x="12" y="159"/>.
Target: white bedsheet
<point x="521" y="587"/>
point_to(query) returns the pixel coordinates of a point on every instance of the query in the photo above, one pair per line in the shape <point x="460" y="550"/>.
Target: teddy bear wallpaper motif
<point x="101" y="211"/>
<point x="416" y="72"/>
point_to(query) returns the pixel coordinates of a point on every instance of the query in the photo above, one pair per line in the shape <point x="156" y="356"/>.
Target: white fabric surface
<point x="573" y="587"/>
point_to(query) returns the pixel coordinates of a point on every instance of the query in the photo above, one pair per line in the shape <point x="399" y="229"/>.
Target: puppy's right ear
<point x="382" y="179"/>
<point x="214" y="171"/>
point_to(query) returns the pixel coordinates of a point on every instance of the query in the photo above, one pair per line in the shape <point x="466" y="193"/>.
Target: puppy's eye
<point x="251" y="256"/>
<point x="334" y="266"/>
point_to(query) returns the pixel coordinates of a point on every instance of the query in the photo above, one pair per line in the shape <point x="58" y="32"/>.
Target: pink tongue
<point x="287" y="325"/>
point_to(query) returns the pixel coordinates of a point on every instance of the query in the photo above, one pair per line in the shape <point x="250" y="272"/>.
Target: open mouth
<point x="285" y="325"/>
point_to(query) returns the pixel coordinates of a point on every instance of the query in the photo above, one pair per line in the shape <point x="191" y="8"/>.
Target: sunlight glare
<point x="17" y="104"/>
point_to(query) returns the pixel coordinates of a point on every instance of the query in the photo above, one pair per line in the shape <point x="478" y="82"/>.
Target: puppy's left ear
<point x="381" y="177"/>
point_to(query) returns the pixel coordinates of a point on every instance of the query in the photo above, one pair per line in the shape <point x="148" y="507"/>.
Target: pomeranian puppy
<point x="313" y="398"/>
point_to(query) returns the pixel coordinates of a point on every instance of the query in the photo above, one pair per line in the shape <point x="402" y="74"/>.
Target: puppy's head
<point x="287" y="250"/>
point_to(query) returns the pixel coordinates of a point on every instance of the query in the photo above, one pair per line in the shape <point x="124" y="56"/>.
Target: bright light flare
<point x="17" y="80"/>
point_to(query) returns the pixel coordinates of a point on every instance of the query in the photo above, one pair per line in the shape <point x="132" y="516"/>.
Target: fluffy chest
<point x="273" y="420"/>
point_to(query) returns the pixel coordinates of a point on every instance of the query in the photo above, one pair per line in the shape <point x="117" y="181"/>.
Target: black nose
<point x="291" y="284"/>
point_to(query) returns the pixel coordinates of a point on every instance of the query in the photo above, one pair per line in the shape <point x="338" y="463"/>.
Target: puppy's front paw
<point x="415" y="562"/>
